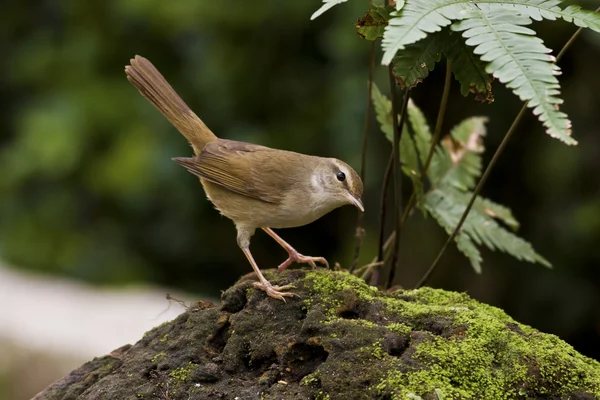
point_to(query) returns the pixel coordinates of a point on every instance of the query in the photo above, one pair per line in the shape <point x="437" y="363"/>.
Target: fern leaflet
<point x="520" y="60"/>
<point x="454" y="168"/>
<point x="327" y="4"/>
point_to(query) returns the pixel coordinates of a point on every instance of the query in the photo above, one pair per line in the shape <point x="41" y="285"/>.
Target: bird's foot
<point x="299" y="258"/>
<point x="275" y="291"/>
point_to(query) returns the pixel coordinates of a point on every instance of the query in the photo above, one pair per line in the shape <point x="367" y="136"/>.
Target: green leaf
<point x="583" y="18"/>
<point x="447" y="214"/>
<point x="494" y="210"/>
<point x="421" y="130"/>
<point x="327" y="4"/>
<point x="412" y="64"/>
<point x="408" y="150"/>
<point x="417" y="19"/>
<point x="496" y="29"/>
<point x="457" y="161"/>
<point x="448" y="205"/>
<point x="468" y="69"/>
<point x="414" y="150"/>
<point x="383" y="111"/>
<point x="455" y="166"/>
<point x="519" y="60"/>
<point x="539" y="10"/>
<point x="372" y="25"/>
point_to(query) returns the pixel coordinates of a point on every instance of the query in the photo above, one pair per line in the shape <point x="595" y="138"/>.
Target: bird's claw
<point x="299" y="258"/>
<point x="275" y="291"/>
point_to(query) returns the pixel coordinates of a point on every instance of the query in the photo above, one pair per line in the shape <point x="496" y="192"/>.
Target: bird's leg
<point x="293" y="254"/>
<point x="263" y="284"/>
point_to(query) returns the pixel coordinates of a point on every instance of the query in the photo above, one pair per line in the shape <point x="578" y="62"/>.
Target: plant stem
<point x="436" y="135"/>
<point x="382" y="211"/>
<point x="480" y="184"/>
<point x="440" y="118"/>
<point x="397" y="172"/>
<point x="382" y="205"/>
<point x="488" y="169"/>
<point x="359" y="229"/>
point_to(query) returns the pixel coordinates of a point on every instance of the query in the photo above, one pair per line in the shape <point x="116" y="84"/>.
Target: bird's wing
<point x="244" y="168"/>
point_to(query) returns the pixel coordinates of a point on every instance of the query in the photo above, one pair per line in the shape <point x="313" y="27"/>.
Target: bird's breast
<point x="296" y="209"/>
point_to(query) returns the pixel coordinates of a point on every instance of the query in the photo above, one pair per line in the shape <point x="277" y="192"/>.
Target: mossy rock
<point x="340" y="339"/>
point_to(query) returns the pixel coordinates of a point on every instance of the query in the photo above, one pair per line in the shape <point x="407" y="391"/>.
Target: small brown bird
<point x="254" y="186"/>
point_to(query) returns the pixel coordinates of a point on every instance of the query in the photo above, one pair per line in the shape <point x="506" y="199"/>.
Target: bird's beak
<point x="357" y="202"/>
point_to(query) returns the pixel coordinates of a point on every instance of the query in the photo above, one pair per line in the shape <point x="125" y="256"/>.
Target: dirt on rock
<point x="339" y="339"/>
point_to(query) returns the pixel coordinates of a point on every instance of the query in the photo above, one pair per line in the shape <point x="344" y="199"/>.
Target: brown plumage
<point x="255" y="186"/>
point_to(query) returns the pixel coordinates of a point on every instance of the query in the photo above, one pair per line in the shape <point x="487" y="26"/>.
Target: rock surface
<point x="340" y="339"/>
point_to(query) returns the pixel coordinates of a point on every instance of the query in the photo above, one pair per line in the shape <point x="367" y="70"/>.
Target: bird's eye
<point x="341" y="176"/>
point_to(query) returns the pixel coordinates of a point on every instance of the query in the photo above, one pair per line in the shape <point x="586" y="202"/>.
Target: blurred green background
<point x="88" y="189"/>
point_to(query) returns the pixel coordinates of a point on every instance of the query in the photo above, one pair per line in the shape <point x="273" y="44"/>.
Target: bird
<point x="256" y="187"/>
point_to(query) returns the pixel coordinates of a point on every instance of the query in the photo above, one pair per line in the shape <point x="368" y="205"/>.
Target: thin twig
<point x="488" y="169"/>
<point x="440" y="118"/>
<point x="475" y="193"/>
<point x="436" y="136"/>
<point x="397" y="125"/>
<point x="382" y="211"/>
<point x="363" y="162"/>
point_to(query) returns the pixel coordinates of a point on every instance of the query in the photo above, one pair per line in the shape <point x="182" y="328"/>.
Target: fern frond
<point x="445" y="212"/>
<point x="383" y="111"/>
<point x="457" y="161"/>
<point x="413" y="64"/>
<point x="447" y="206"/>
<point x="327" y="4"/>
<point x="582" y="18"/>
<point x="416" y="20"/>
<point x="465" y="146"/>
<point x="408" y="150"/>
<point x="421" y="130"/>
<point x="453" y="170"/>
<point x="519" y="60"/>
<point x="468" y="69"/>
<point x="548" y="9"/>
<point x="494" y="210"/>
<point x="496" y="29"/>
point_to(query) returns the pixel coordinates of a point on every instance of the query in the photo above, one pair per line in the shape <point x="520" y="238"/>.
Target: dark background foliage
<point x="88" y="189"/>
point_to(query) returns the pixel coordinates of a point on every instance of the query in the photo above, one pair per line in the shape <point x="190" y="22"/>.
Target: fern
<point x="408" y="149"/>
<point x="494" y="210"/>
<point x="548" y="9"/>
<point x="496" y="29"/>
<point x="468" y="69"/>
<point x="417" y="19"/>
<point x="327" y="4"/>
<point x="447" y="207"/>
<point x="454" y="168"/>
<point x="519" y="60"/>
<point x="413" y="64"/>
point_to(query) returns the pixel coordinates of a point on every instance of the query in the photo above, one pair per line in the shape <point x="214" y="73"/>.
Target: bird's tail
<point x="154" y="87"/>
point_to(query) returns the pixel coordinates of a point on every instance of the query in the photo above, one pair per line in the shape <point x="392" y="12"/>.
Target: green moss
<point x="158" y="356"/>
<point x="488" y="353"/>
<point x="377" y="351"/>
<point x="164" y="338"/>
<point x="310" y="379"/>
<point x="482" y="354"/>
<point x="322" y="396"/>
<point x="182" y="374"/>
<point x="337" y="281"/>
<point x="400" y="328"/>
